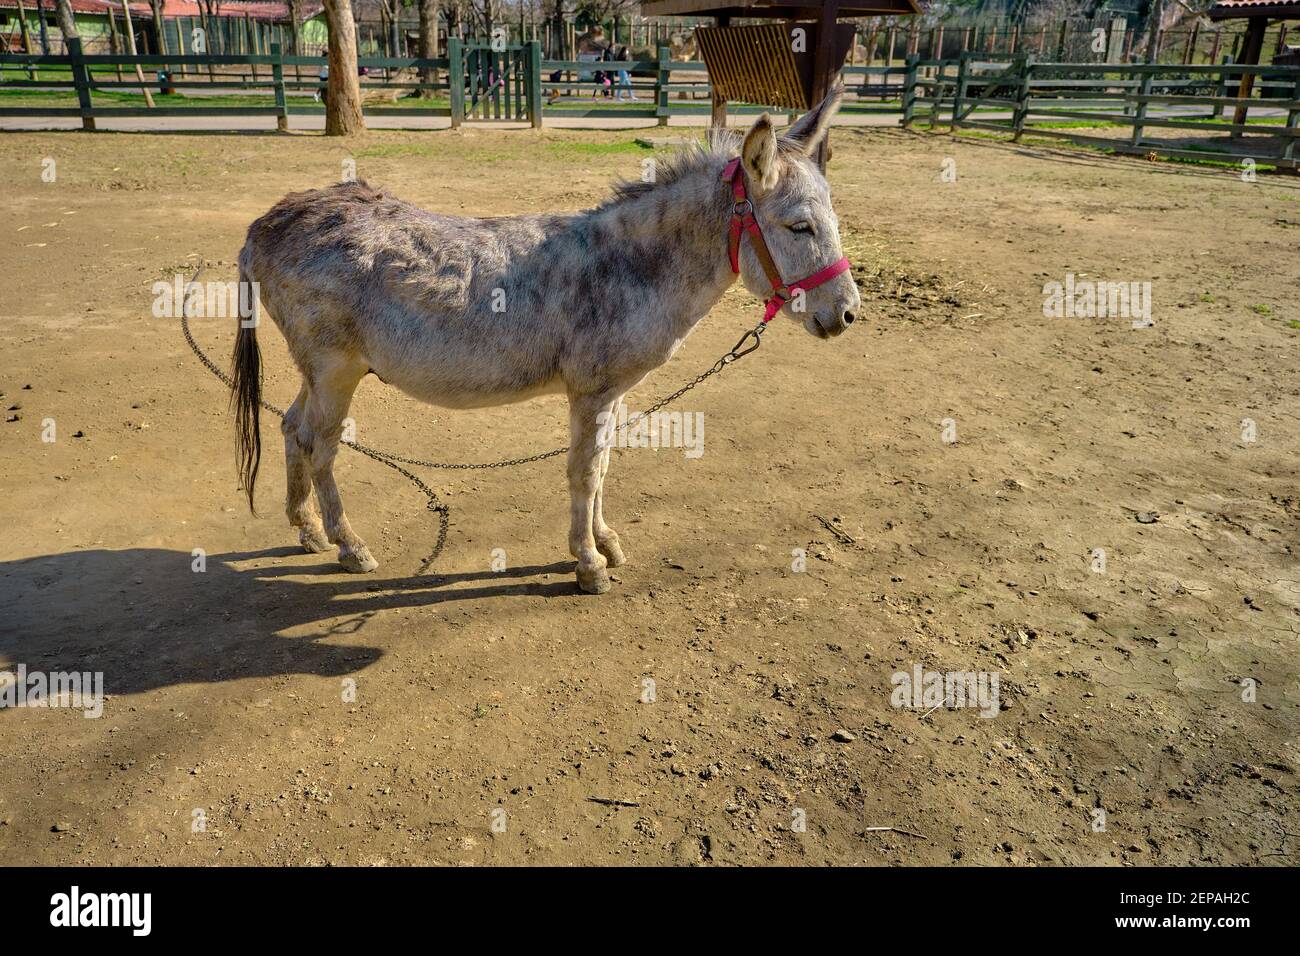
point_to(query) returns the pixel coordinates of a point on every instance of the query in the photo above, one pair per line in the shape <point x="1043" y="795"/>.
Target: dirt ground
<point x="1124" y="689"/>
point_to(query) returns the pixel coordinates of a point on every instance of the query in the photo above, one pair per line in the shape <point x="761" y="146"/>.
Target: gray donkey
<point x="467" y="313"/>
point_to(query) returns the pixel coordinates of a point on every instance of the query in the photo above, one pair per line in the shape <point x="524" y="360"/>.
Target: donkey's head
<point x="792" y="203"/>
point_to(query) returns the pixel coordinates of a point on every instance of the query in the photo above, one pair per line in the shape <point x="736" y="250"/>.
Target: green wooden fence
<point x="511" y="83"/>
<point x="477" y="82"/>
<point x="1019" y="95"/>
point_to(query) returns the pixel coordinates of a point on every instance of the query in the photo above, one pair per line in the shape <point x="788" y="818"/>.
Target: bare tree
<point x="558" y="13"/>
<point x="156" y="6"/>
<point x="390" y="15"/>
<point x="295" y="19"/>
<point x="67" y="22"/>
<point x="343" y="100"/>
<point x="428" y="41"/>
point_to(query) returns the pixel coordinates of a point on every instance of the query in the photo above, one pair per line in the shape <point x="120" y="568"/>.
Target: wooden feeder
<point x="790" y="64"/>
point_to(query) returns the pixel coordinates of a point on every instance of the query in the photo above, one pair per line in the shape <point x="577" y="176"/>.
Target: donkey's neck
<point x="669" y="244"/>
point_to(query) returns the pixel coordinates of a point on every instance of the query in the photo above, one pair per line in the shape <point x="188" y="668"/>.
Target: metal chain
<point x="753" y="337"/>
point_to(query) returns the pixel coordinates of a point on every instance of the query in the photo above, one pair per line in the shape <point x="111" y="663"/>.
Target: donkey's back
<point x="418" y="298"/>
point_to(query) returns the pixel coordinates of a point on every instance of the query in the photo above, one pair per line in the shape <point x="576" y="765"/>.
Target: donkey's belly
<point x="452" y="394"/>
<point x="466" y="363"/>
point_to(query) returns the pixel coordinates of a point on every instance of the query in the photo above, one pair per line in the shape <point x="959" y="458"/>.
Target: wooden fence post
<point x="909" y="90"/>
<point x="1022" y="99"/>
<point x="1139" y="114"/>
<point x="661" y="84"/>
<point x="277" y="78"/>
<point x="936" y="103"/>
<point x="1293" y="126"/>
<point x="1223" y="90"/>
<point x="82" y="81"/>
<point x="456" y="80"/>
<point x="534" y="80"/>
<point x="960" y="95"/>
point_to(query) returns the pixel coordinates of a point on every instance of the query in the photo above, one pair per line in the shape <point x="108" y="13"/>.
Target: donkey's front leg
<point x="585" y="458"/>
<point x="607" y="542"/>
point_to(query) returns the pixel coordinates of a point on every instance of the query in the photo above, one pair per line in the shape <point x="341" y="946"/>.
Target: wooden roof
<point x="1273" y="9"/>
<point x="775" y="9"/>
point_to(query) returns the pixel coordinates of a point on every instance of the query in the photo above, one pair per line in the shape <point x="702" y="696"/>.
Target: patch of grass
<point x="1206" y="297"/>
<point x="1072" y="124"/>
<point x="1250" y="121"/>
<point x="568" y="148"/>
<point x="393" y="150"/>
<point x="1261" y="309"/>
<point x="1293" y="324"/>
<point x="30" y="97"/>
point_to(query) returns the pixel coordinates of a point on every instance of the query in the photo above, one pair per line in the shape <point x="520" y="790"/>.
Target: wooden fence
<point x="1019" y="95"/>
<point x="476" y="82"/>
<point x="511" y="83"/>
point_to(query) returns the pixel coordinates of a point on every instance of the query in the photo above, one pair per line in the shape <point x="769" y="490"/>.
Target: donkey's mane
<point x="721" y="145"/>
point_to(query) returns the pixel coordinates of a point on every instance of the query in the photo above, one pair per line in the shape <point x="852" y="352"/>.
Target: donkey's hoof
<point x="313" y="541"/>
<point x="612" y="550"/>
<point x="593" y="580"/>
<point x="359" y="561"/>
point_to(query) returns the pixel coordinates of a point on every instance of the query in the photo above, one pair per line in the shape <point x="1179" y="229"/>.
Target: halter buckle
<point x="743" y="208"/>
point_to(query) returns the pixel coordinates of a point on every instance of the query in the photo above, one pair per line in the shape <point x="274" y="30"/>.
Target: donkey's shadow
<point x="148" y="618"/>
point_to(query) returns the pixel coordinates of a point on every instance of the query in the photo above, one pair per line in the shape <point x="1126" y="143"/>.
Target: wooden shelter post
<point x="824" y="69"/>
<point x="718" y="115"/>
<point x="1249" y="54"/>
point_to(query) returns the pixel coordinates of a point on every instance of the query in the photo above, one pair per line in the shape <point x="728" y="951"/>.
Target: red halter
<point x="742" y="220"/>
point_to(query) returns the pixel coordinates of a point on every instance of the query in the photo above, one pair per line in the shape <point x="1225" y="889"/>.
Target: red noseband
<point x="742" y="221"/>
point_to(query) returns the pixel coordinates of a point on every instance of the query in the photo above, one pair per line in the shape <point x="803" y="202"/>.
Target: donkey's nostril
<point x="848" y="318"/>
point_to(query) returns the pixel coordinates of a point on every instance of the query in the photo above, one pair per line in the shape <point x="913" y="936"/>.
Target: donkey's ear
<point x="759" y="153"/>
<point x="808" y="131"/>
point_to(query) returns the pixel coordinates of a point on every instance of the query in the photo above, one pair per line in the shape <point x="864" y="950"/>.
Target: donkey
<point x="468" y="313"/>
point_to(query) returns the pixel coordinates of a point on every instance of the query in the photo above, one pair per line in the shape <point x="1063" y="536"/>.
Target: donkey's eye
<point x="801" y="226"/>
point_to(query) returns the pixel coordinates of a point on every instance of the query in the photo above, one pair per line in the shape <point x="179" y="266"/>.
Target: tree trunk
<point x="556" y="52"/>
<point x="343" y="101"/>
<point x="295" y="17"/>
<point x="157" y="7"/>
<point x="67" y="22"/>
<point x="130" y="45"/>
<point x="428" y="41"/>
<point x="1153" y="27"/>
<point x="27" y="35"/>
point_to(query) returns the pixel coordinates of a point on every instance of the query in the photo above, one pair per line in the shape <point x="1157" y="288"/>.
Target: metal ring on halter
<point x="744" y="208"/>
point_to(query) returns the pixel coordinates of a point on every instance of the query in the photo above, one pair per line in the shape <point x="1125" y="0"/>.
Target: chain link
<point x="751" y="340"/>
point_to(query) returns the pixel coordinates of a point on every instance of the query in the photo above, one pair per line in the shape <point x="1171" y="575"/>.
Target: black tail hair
<point x="246" y="391"/>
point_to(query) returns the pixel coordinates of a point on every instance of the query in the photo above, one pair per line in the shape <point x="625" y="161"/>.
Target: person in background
<point x="605" y="77"/>
<point x="625" y="78"/>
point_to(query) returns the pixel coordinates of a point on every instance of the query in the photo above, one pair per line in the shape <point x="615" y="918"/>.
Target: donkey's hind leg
<point x="298" y="502"/>
<point x="327" y="405"/>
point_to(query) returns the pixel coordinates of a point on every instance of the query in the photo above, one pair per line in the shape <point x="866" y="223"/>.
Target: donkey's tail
<point x="246" y="385"/>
